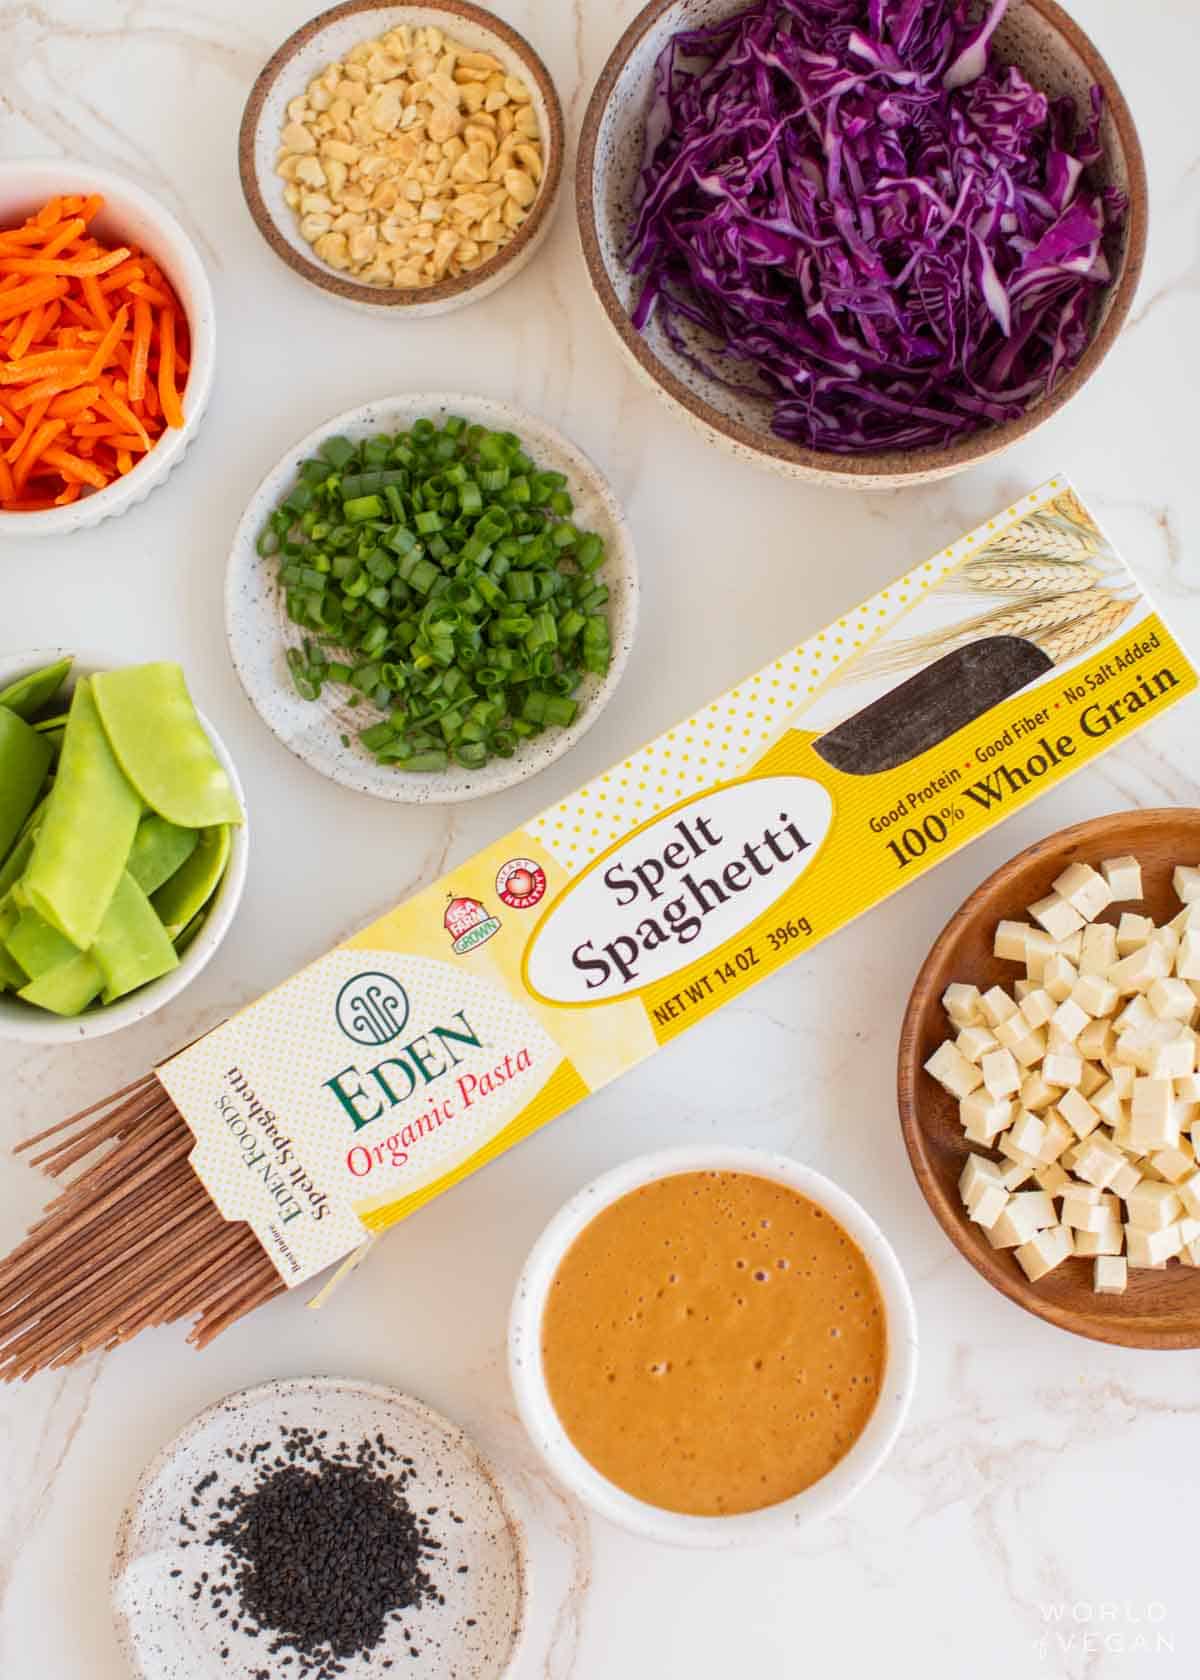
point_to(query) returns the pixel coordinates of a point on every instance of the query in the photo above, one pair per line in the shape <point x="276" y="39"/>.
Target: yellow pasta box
<point x="559" y="957"/>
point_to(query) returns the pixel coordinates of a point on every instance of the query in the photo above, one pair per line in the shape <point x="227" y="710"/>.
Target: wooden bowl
<point x="328" y="37"/>
<point x="1050" y="49"/>
<point x="1159" y="1309"/>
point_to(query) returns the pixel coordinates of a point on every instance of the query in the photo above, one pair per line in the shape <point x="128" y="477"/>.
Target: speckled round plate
<point x="318" y="731"/>
<point x="167" y="1623"/>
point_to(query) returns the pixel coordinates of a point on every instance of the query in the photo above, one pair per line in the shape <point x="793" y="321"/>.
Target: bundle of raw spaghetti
<point x="133" y="1240"/>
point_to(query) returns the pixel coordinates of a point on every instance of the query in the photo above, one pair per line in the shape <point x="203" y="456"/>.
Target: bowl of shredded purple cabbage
<point x="870" y="241"/>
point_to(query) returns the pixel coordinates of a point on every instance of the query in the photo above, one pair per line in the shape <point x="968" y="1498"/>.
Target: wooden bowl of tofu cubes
<point x="1048" y="1079"/>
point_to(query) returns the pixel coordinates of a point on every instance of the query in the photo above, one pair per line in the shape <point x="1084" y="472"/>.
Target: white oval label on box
<point x="678" y="889"/>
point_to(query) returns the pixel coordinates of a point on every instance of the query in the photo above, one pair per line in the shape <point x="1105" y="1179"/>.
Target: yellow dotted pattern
<point x="724" y="740"/>
<point x="289" y="1043"/>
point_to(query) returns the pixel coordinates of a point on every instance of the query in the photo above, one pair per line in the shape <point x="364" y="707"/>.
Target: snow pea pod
<point x="24" y="759"/>
<point x="159" y="848"/>
<point x="190" y="888"/>
<point x="66" y="990"/>
<point x="132" y="946"/>
<point x="161" y="745"/>
<point x="11" y="973"/>
<point x="36" y="689"/>
<point x="14" y="864"/>
<point x="38" y="947"/>
<point x="86" y="831"/>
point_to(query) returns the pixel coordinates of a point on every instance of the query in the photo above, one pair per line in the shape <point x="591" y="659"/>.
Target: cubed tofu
<point x="1083" y="1215"/>
<point x="975" y="1042"/>
<point x="1043" y="1252"/>
<point x="1153" y="1122"/>
<point x="952" y="1070"/>
<point x="1109" y="1240"/>
<point x="1035" y="1094"/>
<point x="1174" y="1164"/>
<point x="1030" y="1050"/>
<point x="1037" y="1007"/>
<point x="1110" y="1274"/>
<point x="1095" y="995"/>
<point x="1009" y="942"/>
<point x="1084" y="889"/>
<point x="1008" y="1034"/>
<point x="1096" y="1039"/>
<point x="997" y="1006"/>
<point x="1055" y="916"/>
<point x="1123" y="1078"/>
<point x="1124" y="877"/>
<point x="1028" y="1134"/>
<point x="1133" y="932"/>
<point x="1124" y="1180"/>
<point x="1080" y="1115"/>
<point x="988" y="1206"/>
<point x="1052" y="1178"/>
<point x="1136" y="1013"/>
<point x="1069" y="1019"/>
<point x="1172" y="1000"/>
<point x="1070" y="947"/>
<point x="1187" y="957"/>
<point x="1019" y="1157"/>
<point x="1186" y="881"/>
<point x="1140" y="969"/>
<point x="1097" y="949"/>
<point x="1016" y="1174"/>
<point x="1105" y="1104"/>
<point x="1188" y="1191"/>
<point x="1001" y="1074"/>
<point x="1039" y="948"/>
<point x="1187" y="1088"/>
<point x="1021" y="990"/>
<point x="1152" y="1248"/>
<point x="976" y="1176"/>
<point x="1091" y="1079"/>
<point x="1060" y="1067"/>
<point x="1098" y="1161"/>
<point x="1152" y="1207"/>
<point x="983" y="1118"/>
<point x="1059" y="977"/>
<point x="1059" y="1137"/>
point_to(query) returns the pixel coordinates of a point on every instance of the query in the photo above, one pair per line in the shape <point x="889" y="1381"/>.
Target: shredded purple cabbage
<point x="889" y="233"/>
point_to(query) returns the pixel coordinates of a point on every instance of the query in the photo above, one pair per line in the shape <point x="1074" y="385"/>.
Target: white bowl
<point x="773" y="1522"/>
<point x="260" y="631"/>
<point x="328" y="37"/>
<point x="128" y="214"/>
<point x="21" y="1021"/>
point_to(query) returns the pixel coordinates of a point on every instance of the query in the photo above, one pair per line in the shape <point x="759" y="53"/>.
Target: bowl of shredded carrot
<point x="106" y="345"/>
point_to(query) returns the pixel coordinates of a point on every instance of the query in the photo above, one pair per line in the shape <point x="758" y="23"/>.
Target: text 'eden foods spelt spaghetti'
<point x="560" y="956"/>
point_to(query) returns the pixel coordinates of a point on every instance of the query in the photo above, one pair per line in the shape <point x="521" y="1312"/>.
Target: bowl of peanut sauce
<point x="713" y="1346"/>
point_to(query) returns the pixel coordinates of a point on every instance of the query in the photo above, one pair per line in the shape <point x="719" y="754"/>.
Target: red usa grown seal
<point x="521" y="883"/>
<point x="469" y="924"/>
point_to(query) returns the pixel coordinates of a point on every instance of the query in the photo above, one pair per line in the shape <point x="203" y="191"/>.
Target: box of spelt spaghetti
<point x="559" y="957"/>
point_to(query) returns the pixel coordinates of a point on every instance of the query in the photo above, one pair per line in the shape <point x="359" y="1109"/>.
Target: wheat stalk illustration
<point x="1062" y="625"/>
<point x="1040" y="576"/>
<point x="1046" y="536"/>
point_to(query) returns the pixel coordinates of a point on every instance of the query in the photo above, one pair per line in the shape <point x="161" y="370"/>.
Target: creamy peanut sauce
<point x="714" y="1342"/>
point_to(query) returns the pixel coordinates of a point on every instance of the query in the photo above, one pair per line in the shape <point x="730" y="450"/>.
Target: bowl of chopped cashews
<point x="158" y="892"/>
<point x="107" y="345"/>
<point x="403" y="157"/>
<point x="1049" y="1085"/>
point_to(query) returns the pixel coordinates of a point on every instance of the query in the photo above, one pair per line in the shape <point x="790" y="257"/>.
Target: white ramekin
<point x="27" y="1025"/>
<point x="129" y="214"/>
<point x="773" y="1522"/>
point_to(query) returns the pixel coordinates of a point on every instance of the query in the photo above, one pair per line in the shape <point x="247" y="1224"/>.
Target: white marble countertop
<point x="1041" y="1478"/>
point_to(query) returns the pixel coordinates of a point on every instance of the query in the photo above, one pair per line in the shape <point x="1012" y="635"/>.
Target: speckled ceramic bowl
<point x="128" y="214"/>
<point x="329" y="37"/>
<point x="324" y="733"/>
<point x="167" y="1623"/>
<point x="774" y="1523"/>
<point x="1053" y="52"/>
<point x="25" y="1024"/>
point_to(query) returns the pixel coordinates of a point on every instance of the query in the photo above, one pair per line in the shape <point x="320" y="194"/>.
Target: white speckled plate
<point x="259" y="630"/>
<point x="166" y="1634"/>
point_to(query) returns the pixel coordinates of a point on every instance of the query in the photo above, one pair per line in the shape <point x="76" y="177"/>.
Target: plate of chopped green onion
<point x="431" y="598"/>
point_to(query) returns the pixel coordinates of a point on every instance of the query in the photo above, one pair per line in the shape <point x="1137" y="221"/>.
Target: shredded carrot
<point x="94" y="348"/>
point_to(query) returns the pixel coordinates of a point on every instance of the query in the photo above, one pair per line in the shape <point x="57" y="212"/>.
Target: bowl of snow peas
<point x="431" y="598"/>
<point x="123" y="843"/>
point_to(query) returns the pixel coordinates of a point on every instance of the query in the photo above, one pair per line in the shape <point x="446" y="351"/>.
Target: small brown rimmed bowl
<point x="1056" y="56"/>
<point x="1160" y="1309"/>
<point x="328" y="38"/>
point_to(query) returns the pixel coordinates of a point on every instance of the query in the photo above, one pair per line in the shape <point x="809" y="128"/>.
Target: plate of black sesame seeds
<point x="319" y="1529"/>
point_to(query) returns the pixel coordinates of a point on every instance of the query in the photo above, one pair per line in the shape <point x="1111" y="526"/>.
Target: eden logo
<point x="372" y="1009"/>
